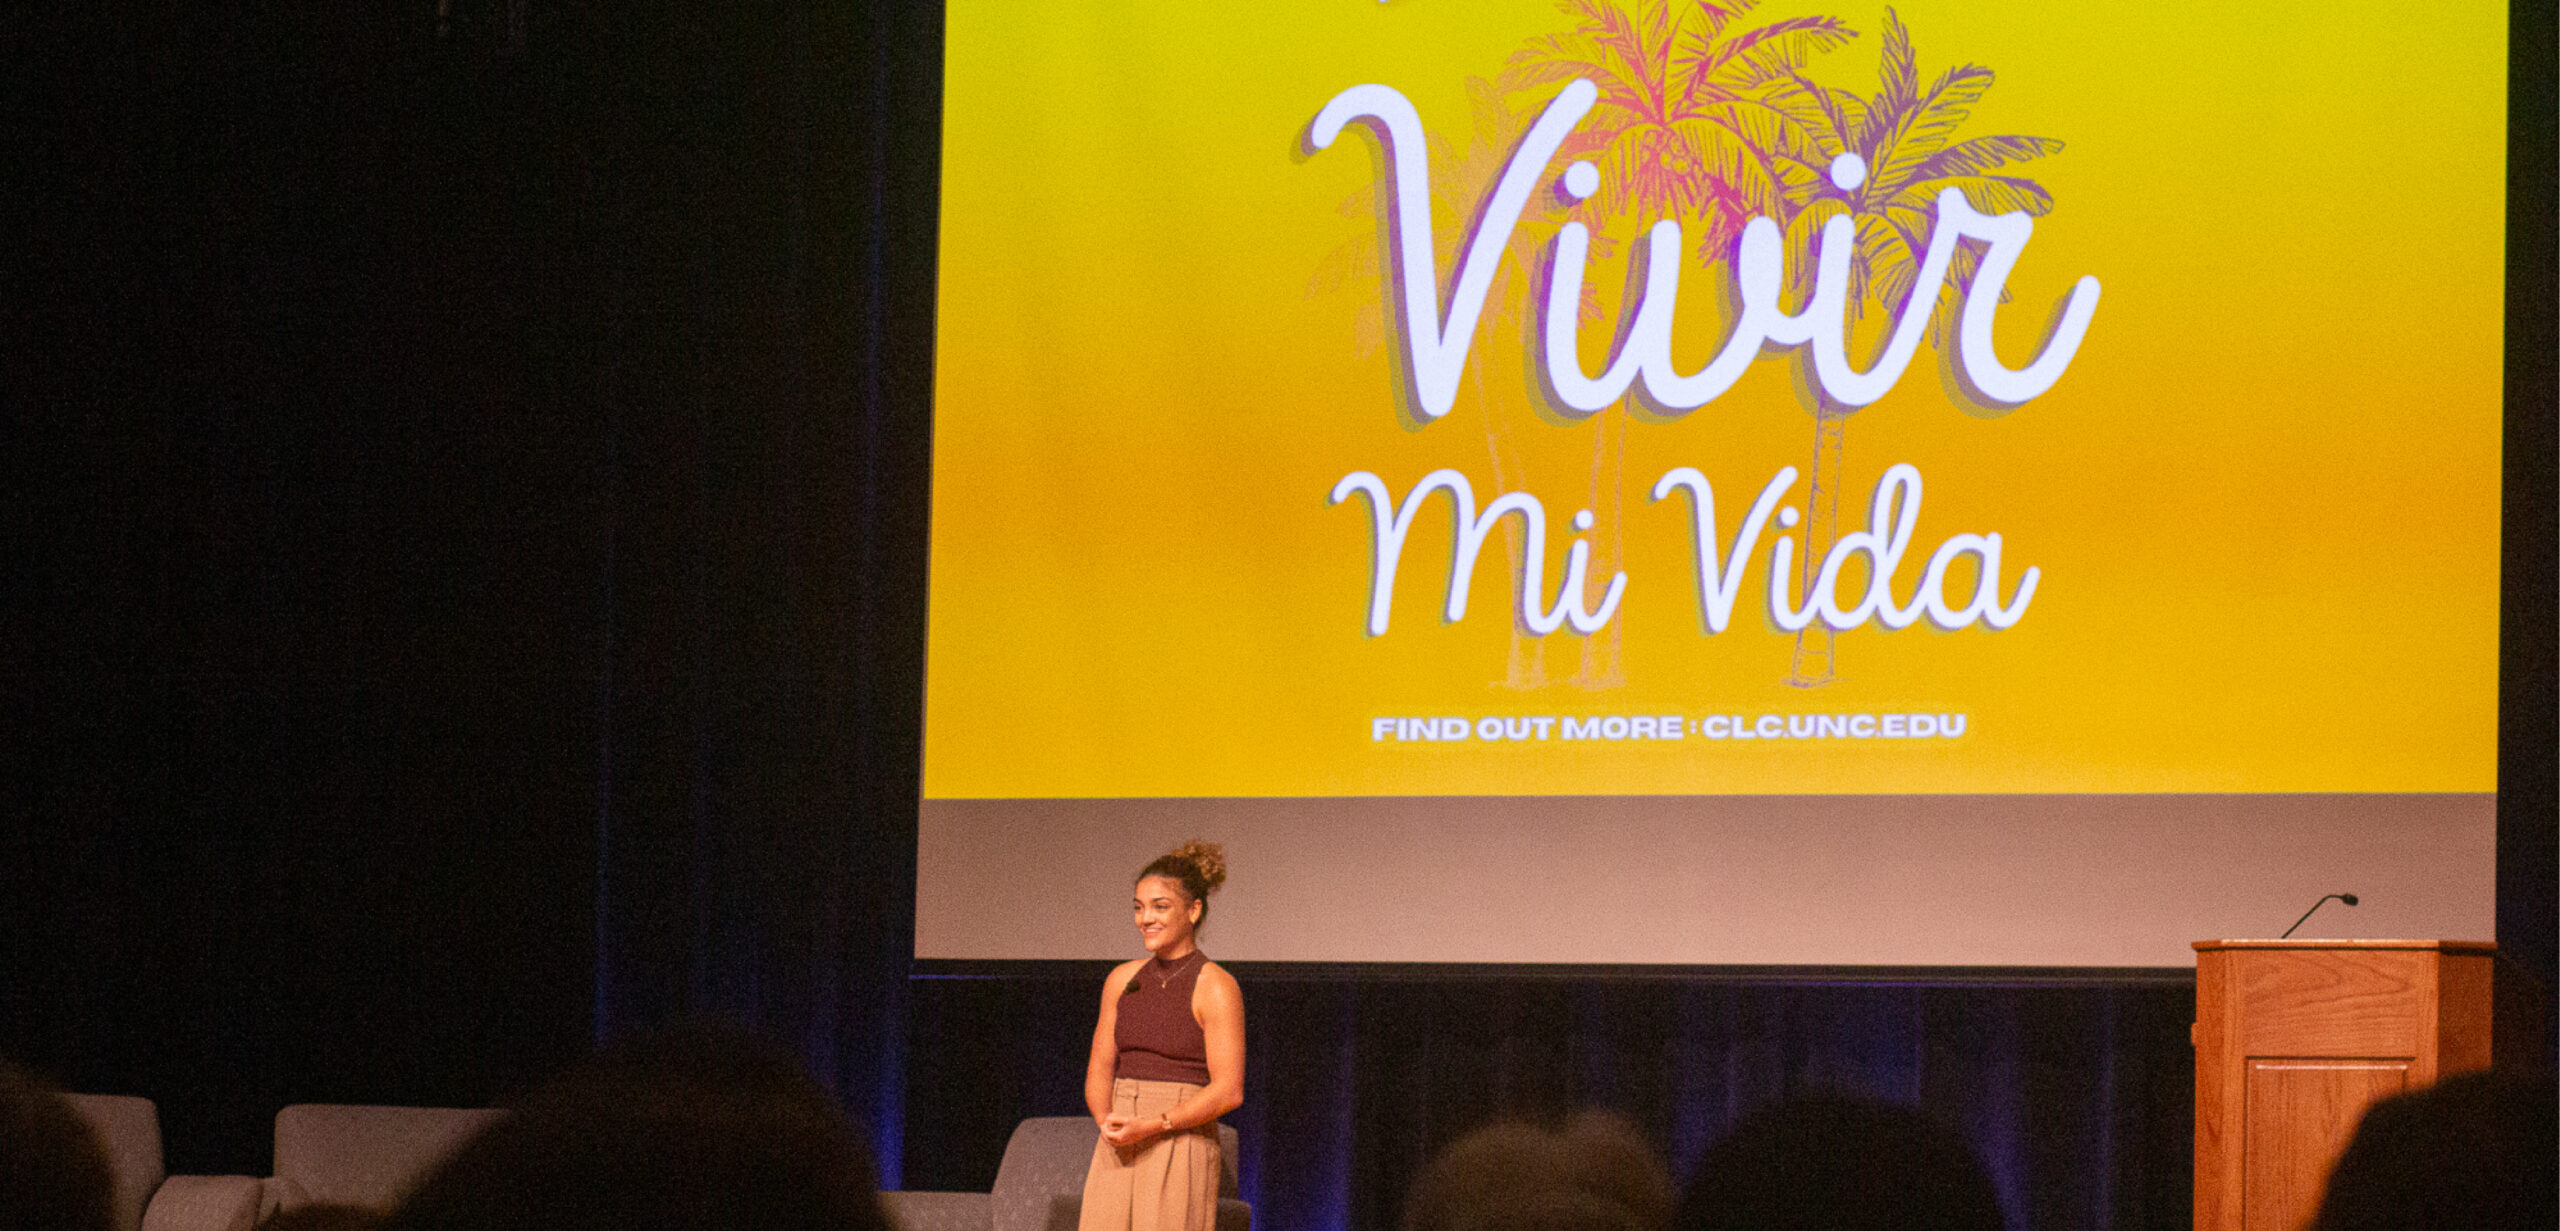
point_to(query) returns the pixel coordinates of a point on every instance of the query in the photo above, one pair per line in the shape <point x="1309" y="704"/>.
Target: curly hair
<point x="1199" y="867"/>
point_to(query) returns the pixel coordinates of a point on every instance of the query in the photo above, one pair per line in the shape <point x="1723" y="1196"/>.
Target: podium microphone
<point x="2348" y="898"/>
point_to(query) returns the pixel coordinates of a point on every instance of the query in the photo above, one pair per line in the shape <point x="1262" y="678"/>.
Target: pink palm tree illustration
<point x="1685" y="127"/>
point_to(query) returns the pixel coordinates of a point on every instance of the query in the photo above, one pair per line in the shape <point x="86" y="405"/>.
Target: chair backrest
<point x="128" y="1128"/>
<point x="1048" y="1157"/>
<point x="366" y="1156"/>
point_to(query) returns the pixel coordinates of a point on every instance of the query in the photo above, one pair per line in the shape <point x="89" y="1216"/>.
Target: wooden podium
<point x="2294" y="1038"/>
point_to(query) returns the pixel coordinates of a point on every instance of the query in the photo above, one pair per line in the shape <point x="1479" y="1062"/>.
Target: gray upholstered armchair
<point x="1040" y="1185"/>
<point x="368" y="1157"/>
<point x="360" y="1156"/>
<point x="147" y="1197"/>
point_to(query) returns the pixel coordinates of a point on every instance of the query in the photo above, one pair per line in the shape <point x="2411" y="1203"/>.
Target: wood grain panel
<point x="2316" y="1003"/>
<point x="2217" y="1170"/>
<point x="2301" y="1114"/>
<point x="2463" y="1009"/>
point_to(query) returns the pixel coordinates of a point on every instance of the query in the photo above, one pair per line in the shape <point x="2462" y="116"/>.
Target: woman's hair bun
<point x="1208" y="859"/>
<point x="1200" y="867"/>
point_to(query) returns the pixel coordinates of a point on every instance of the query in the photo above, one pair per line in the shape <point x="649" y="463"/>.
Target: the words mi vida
<point x="1436" y="349"/>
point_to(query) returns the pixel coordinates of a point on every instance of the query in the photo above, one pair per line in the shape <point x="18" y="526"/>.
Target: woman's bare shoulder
<point x="1215" y="975"/>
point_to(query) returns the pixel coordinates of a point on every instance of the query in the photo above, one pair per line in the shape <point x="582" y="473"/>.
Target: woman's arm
<point x="1104" y="1062"/>
<point x="1218" y="1005"/>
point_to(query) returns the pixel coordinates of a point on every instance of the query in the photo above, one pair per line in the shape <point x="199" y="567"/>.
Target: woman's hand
<point x="1125" y="1131"/>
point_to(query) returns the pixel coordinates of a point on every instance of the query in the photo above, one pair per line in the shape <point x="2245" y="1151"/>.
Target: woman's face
<point x="1165" y="915"/>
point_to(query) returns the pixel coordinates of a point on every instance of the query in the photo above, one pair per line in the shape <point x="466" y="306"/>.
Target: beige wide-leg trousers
<point x="1167" y="1183"/>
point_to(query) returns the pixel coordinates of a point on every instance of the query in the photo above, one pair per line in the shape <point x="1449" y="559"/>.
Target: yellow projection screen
<point x="1973" y="484"/>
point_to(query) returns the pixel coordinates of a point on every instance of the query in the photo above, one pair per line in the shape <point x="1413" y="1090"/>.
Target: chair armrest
<point x="939" y="1211"/>
<point x="207" y="1203"/>
<point x="129" y="1128"/>
<point x="1234" y="1215"/>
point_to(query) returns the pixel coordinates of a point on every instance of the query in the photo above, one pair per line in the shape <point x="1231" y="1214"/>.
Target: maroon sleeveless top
<point x="1158" y="1038"/>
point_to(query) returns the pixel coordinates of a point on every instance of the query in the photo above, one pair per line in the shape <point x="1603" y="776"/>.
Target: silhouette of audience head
<point x="2474" y="1152"/>
<point x="1839" y="1163"/>
<point x="53" y="1172"/>
<point x="1591" y="1174"/>
<point x="697" y="1129"/>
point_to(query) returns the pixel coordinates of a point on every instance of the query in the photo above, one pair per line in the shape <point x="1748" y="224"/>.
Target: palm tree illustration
<point x="1906" y="135"/>
<point x="1685" y="127"/>
<point x="1463" y="171"/>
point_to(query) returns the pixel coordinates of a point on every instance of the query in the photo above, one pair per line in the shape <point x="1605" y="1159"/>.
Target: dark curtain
<point x="2528" y="666"/>
<point x="304" y="492"/>
<point x="466" y="460"/>
<point x="467" y="468"/>
<point x="2080" y="1096"/>
<point x="765" y="285"/>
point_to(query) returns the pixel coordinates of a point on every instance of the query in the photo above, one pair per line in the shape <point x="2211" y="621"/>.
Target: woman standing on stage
<point x="1168" y="1060"/>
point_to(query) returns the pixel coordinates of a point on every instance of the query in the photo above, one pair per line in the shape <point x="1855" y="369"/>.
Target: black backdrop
<point x="466" y="468"/>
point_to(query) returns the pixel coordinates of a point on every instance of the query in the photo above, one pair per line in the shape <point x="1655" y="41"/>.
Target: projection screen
<point x="1947" y="484"/>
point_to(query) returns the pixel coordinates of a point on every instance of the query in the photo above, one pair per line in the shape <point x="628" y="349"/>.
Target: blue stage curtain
<point x="762" y="189"/>
<point x="2077" y="1096"/>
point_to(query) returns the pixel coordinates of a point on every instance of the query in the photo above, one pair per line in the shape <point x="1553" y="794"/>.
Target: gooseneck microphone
<point x="2348" y="898"/>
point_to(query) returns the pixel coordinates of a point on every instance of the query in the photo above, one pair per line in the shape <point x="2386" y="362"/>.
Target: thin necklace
<point x="1165" y="981"/>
